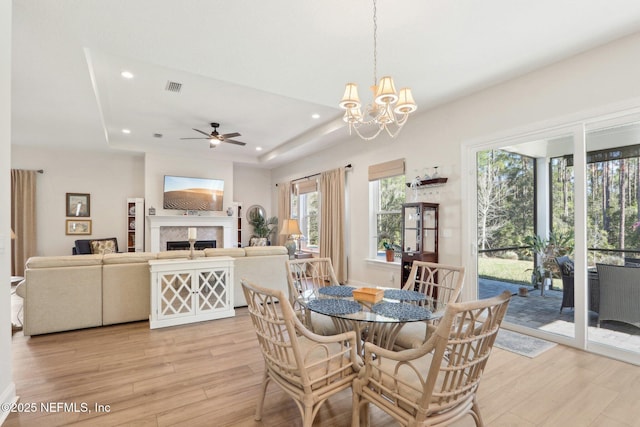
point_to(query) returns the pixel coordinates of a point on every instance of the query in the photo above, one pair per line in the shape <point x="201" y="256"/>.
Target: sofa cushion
<point x="265" y="250"/>
<point x="232" y="252"/>
<point x="128" y="258"/>
<point x="63" y="261"/>
<point x="104" y="246"/>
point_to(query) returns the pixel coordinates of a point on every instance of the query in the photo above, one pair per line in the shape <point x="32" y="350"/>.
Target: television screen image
<point x="201" y="194"/>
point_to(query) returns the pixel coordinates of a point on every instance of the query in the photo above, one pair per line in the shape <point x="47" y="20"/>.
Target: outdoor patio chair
<point x="619" y="294"/>
<point x="308" y="275"/>
<point x="309" y="368"/>
<point x="436" y="384"/>
<point x="441" y="284"/>
<point x="566" y="273"/>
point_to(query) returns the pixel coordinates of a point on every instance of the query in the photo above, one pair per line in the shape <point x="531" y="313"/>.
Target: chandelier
<point x="389" y="110"/>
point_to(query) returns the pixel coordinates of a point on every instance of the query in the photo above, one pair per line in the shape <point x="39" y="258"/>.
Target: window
<point x="386" y="194"/>
<point x="305" y="206"/>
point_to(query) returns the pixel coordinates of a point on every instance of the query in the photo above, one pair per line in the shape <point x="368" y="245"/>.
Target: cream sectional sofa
<point x="63" y="293"/>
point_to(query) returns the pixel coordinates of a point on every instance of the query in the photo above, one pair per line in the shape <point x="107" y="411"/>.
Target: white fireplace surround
<point x="156" y="222"/>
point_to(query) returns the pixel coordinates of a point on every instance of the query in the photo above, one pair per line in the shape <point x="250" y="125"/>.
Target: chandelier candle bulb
<point x="193" y="233"/>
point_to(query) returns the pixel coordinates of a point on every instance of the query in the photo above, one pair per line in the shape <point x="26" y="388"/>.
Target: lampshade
<point x="386" y="93"/>
<point x="13" y="235"/>
<point x="405" y="104"/>
<point x="350" y="99"/>
<point x="290" y="226"/>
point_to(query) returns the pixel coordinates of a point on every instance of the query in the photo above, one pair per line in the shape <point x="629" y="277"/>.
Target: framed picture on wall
<point x="78" y="226"/>
<point x="78" y="204"/>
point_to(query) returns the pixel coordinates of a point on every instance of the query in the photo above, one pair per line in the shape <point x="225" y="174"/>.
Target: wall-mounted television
<point x="198" y="194"/>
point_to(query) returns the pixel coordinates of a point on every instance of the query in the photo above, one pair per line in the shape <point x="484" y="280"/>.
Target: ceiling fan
<point x="215" y="138"/>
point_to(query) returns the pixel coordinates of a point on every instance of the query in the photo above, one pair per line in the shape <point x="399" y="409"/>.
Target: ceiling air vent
<point x="173" y="86"/>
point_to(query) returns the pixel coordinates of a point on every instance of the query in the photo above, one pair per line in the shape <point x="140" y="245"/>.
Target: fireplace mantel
<point x="158" y="221"/>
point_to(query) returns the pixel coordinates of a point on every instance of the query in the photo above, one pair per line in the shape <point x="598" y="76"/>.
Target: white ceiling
<point x="262" y="68"/>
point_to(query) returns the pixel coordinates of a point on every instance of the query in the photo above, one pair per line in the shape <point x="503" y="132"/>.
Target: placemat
<point x="337" y="291"/>
<point x="330" y="306"/>
<point x="404" y="295"/>
<point x="400" y="311"/>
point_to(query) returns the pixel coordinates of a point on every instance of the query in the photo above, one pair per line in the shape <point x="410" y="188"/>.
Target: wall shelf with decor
<point x="135" y="224"/>
<point x="433" y="182"/>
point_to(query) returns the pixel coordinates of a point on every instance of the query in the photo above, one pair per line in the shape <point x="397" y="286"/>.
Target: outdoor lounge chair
<point x="619" y="294"/>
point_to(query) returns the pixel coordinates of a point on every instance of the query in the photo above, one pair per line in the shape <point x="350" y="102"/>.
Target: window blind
<point x="386" y="169"/>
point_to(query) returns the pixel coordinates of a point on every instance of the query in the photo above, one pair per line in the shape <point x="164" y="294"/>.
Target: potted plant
<point x="538" y="246"/>
<point x="389" y="250"/>
<point x="263" y="227"/>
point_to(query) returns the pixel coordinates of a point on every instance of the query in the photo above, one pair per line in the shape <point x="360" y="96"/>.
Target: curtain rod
<point x="315" y="174"/>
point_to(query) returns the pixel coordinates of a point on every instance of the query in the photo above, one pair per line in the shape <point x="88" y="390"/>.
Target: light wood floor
<point x="208" y="374"/>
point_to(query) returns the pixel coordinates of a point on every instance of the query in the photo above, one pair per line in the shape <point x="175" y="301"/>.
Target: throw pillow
<point x="103" y="247"/>
<point x="567" y="268"/>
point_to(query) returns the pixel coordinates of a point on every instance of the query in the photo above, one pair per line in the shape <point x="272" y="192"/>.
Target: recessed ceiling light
<point x="315" y="116"/>
<point x="127" y="131"/>
<point x="258" y="148"/>
<point x="127" y="74"/>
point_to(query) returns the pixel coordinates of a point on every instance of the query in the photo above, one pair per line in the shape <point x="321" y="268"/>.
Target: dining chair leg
<point x="263" y="393"/>
<point x="475" y="413"/>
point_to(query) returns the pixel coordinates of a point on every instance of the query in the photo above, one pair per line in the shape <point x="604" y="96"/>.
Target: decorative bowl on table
<point x="372" y="295"/>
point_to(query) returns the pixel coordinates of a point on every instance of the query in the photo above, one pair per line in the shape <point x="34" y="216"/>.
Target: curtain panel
<point x="23" y="218"/>
<point x="284" y="207"/>
<point x="332" y="219"/>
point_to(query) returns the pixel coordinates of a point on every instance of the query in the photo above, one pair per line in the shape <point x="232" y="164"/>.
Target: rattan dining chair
<point x="441" y="284"/>
<point x="436" y="384"/>
<point x="308" y="275"/>
<point x="308" y="367"/>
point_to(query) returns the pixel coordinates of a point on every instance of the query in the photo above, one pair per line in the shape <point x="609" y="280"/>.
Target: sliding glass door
<point x="555" y="209"/>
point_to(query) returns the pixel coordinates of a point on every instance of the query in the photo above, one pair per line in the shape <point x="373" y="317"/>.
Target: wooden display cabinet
<point x="419" y="235"/>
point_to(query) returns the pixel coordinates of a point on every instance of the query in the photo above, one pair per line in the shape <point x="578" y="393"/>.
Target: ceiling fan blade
<point x="231" y="141"/>
<point x="195" y="138"/>
<point x="202" y="132"/>
<point x="230" y="135"/>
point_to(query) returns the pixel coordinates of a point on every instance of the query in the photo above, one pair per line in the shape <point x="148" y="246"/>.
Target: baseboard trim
<point x="8" y="396"/>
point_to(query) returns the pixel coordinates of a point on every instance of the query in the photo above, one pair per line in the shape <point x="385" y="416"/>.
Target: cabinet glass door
<point x="412" y="229"/>
<point x="176" y="297"/>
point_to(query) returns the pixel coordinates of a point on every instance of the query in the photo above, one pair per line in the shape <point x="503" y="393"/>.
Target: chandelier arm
<point x="362" y="136"/>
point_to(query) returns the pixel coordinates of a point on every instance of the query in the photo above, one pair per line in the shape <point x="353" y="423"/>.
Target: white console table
<point x="186" y="291"/>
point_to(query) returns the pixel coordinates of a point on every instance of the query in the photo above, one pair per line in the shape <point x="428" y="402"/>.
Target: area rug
<point x="522" y="344"/>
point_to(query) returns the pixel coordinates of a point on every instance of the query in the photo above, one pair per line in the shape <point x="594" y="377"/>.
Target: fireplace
<point x="169" y="228"/>
<point x="180" y="245"/>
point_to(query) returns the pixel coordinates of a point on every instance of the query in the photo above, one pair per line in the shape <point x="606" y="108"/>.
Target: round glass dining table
<point x="378" y="322"/>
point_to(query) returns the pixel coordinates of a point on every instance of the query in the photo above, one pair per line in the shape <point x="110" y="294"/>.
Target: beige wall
<point x="7" y="386"/>
<point x="109" y="177"/>
<point x="434" y="137"/>
<point x="251" y="186"/>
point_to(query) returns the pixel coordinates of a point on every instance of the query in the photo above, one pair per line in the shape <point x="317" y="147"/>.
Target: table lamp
<point x="290" y="228"/>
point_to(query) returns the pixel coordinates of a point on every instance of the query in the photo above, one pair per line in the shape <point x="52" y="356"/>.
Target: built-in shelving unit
<point x="238" y="208"/>
<point x="135" y="224"/>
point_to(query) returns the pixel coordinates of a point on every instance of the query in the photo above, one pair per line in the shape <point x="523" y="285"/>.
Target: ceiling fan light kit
<point x="390" y="109"/>
<point x="215" y="138"/>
